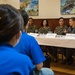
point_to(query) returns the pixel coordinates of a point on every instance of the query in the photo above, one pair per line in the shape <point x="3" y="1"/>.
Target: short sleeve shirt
<point x="13" y="62"/>
<point x="29" y="46"/>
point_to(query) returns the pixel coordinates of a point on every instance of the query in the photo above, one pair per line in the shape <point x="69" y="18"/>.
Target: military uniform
<point x="44" y="30"/>
<point x="71" y="30"/>
<point x="31" y="29"/>
<point x="60" y="31"/>
<point x="68" y="52"/>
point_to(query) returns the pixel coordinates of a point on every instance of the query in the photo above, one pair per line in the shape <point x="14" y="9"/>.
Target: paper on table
<point x="52" y="35"/>
<point x="33" y="34"/>
<point x="70" y="36"/>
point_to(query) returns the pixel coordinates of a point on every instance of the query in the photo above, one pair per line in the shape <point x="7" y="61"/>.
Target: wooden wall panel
<point x="52" y="23"/>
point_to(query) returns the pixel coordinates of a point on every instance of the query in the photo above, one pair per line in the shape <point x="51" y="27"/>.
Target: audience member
<point x="11" y="61"/>
<point x="29" y="46"/>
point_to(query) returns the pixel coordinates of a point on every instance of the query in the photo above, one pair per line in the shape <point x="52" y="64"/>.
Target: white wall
<point x="2" y="1"/>
<point x="47" y="8"/>
<point x="15" y="3"/>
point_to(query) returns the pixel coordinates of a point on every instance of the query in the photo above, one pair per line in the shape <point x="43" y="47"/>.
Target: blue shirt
<point x="29" y="46"/>
<point x="14" y="63"/>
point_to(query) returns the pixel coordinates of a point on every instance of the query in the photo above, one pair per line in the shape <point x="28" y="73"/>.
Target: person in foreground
<point x="29" y="46"/>
<point x="11" y="61"/>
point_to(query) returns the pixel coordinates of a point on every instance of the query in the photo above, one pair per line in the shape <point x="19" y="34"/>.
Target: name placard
<point x="52" y="35"/>
<point x="33" y="34"/>
<point x="71" y="36"/>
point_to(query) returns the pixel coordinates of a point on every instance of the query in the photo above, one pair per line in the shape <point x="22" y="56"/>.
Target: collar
<point x="6" y="44"/>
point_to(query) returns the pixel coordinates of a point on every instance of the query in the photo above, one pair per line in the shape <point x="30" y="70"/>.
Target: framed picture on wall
<point x="31" y="7"/>
<point x="67" y="6"/>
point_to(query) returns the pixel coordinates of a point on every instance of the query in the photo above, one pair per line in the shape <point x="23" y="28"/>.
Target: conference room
<point x="51" y="26"/>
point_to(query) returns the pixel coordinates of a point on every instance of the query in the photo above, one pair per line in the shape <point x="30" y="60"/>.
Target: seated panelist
<point x="44" y="29"/>
<point x="31" y="27"/>
<point x="59" y="30"/>
<point x="68" y="52"/>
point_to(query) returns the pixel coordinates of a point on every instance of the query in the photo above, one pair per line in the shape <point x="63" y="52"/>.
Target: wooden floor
<point x="61" y="73"/>
<point x="61" y="69"/>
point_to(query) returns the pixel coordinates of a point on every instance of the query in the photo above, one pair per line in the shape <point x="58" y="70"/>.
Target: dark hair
<point x="10" y="22"/>
<point x="61" y="18"/>
<point x="31" y="18"/>
<point x="25" y="16"/>
<point x="42" y="22"/>
<point x="73" y="18"/>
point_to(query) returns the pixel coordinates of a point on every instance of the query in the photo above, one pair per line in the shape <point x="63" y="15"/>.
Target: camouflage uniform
<point x="32" y="29"/>
<point x="45" y="49"/>
<point x="71" y="30"/>
<point x="44" y="30"/>
<point x="68" y="52"/>
<point x="60" y="31"/>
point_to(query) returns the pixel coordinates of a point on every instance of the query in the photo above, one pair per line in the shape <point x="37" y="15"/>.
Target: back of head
<point x="10" y="22"/>
<point x="25" y="16"/>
